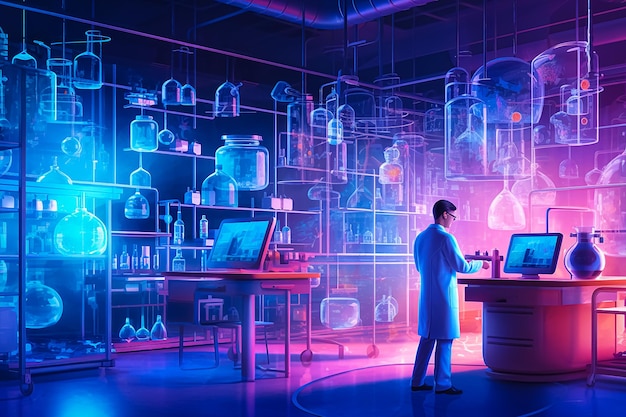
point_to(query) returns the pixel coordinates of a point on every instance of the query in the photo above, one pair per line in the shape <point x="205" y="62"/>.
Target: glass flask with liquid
<point x="171" y="92"/>
<point x="227" y="100"/>
<point x="584" y="260"/>
<point x="142" y="334"/>
<point x="165" y="136"/>
<point x="80" y="233"/>
<point x="300" y="152"/>
<point x="143" y="134"/>
<point x="158" y="332"/>
<point x="127" y="333"/>
<point x="43" y="306"/>
<point x="219" y="189"/>
<point x="179" y="229"/>
<point x="340" y="312"/>
<point x="88" y="65"/>
<point x="286" y="234"/>
<point x="137" y="207"/>
<point x="178" y="263"/>
<point x="391" y="176"/>
<point x="245" y="160"/>
<point x="610" y="204"/>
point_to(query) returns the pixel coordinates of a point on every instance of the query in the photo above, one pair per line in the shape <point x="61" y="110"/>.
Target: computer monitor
<point x="532" y="254"/>
<point x="241" y="243"/>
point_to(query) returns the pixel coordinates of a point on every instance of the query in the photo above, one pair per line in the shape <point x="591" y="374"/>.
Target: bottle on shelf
<point x="124" y="261"/>
<point x="178" y="263"/>
<point x="135" y="258"/>
<point x="114" y="263"/>
<point x="144" y="263"/>
<point x="158" y="332"/>
<point x="278" y="233"/>
<point x="204" y="227"/>
<point x="286" y="234"/>
<point x="179" y="229"/>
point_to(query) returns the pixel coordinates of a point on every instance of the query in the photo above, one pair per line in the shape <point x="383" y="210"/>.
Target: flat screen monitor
<point x="532" y="254"/>
<point x="241" y="243"/>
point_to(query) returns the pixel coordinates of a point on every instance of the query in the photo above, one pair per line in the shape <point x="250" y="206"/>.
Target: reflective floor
<point x="153" y="384"/>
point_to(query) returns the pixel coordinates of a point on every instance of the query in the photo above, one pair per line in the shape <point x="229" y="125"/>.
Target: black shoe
<point x="423" y="387"/>
<point x="450" y="391"/>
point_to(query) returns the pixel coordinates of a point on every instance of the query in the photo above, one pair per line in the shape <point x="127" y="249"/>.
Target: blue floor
<point x="152" y="384"/>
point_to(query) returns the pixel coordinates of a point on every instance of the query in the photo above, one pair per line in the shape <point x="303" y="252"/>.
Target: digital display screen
<point x="531" y="254"/>
<point x="241" y="243"/>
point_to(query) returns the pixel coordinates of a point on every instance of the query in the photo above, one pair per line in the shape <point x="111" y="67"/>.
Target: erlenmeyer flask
<point x="137" y="207"/>
<point x="54" y="175"/>
<point x="142" y="333"/>
<point x="88" y="65"/>
<point x="140" y="177"/>
<point x="127" y="332"/>
<point x="80" y="233"/>
<point x="43" y="306"/>
<point x="360" y="198"/>
<point x="158" y="332"/>
<point x="505" y="211"/>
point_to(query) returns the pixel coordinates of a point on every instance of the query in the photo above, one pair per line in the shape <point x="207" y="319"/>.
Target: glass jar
<point x="299" y="133"/>
<point x="43" y="306"/>
<point x="340" y="312"/>
<point x="88" y="65"/>
<point x="137" y="207"/>
<point x="219" y="189"/>
<point x="227" y="100"/>
<point x="80" y="233"/>
<point x="584" y="260"/>
<point x="178" y="263"/>
<point x="143" y="134"/>
<point x="171" y="91"/>
<point x="391" y="171"/>
<point x="246" y="160"/>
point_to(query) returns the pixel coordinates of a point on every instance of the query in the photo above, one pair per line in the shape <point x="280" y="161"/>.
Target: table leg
<point x="248" y="339"/>
<point x="287" y="332"/>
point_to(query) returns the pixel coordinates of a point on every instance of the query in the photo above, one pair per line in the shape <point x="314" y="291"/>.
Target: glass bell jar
<point x="584" y="260"/>
<point x="610" y="203"/>
<point x="171" y="92"/>
<point x="227" y="100"/>
<point x="88" y="65"/>
<point x="246" y="160"/>
<point x="143" y="134"/>
<point x="137" y="207"/>
<point x="340" y="312"/>
<point x="219" y="189"/>
<point x="80" y="233"/>
<point x="43" y="306"/>
<point x="569" y="71"/>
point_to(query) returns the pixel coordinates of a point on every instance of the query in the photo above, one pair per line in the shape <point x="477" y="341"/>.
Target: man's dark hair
<point x="442" y="206"/>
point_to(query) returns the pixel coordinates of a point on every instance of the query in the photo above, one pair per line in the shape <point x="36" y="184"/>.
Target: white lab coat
<point x="438" y="259"/>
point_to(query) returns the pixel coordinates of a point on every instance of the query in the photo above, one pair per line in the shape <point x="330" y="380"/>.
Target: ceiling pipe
<point x="326" y="14"/>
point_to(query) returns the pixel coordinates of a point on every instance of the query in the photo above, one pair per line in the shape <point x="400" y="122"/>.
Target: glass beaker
<point x="171" y="92"/>
<point x="219" y="189"/>
<point x="137" y="207"/>
<point x="610" y="206"/>
<point x="143" y="134"/>
<point x="127" y="332"/>
<point x="227" y="100"/>
<point x="80" y="233"/>
<point x="43" y="306"/>
<point x="245" y="160"/>
<point x="158" y="332"/>
<point x="88" y="65"/>
<point x="505" y="211"/>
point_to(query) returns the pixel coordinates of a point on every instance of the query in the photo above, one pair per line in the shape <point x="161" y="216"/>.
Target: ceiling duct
<point x="326" y="14"/>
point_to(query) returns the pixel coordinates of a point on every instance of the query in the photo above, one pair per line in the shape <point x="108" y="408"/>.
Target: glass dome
<point x="340" y="312"/>
<point x="137" y="207"/>
<point x="43" y="306"/>
<point x="80" y="233"/>
<point x="610" y="204"/>
<point x="171" y="92"/>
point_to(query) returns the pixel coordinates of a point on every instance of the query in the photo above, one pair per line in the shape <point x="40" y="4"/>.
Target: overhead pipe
<point x="327" y="14"/>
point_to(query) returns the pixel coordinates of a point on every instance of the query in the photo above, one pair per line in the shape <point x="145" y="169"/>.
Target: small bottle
<point x="204" y="227"/>
<point x="179" y="228"/>
<point x="114" y="263"/>
<point x="124" y="261"/>
<point x="349" y="234"/>
<point x="278" y="234"/>
<point x="158" y="332"/>
<point x="178" y="263"/>
<point x="203" y="260"/>
<point x="145" y="257"/>
<point x="135" y="258"/>
<point x="156" y="261"/>
<point x="286" y="234"/>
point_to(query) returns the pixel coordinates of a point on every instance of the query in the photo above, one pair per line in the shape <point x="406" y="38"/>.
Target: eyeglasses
<point x="450" y="214"/>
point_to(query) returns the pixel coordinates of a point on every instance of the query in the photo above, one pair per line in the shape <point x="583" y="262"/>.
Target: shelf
<point x="91" y="190"/>
<point x="255" y="209"/>
<point x="138" y="234"/>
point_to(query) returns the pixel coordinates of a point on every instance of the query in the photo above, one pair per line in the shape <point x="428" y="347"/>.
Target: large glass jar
<point x="219" y="189"/>
<point x="143" y="134"/>
<point x="246" y="160"/>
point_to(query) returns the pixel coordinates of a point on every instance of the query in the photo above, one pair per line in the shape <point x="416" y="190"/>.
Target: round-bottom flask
<point x="43" y="306"/>
<point x="127" y="332"/>
<point x="584" y="260"/>
<point x="158" y="332"/>
<point x="80" y="233"/>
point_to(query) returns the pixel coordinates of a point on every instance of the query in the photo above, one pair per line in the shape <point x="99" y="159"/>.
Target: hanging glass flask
<point x="300" y="144"/>
<point x="140" y="177"/>
<point x="246" y="160"/>
<point x="219" y="189"/>
<point x="80" y="233"/>
<point x="610" y="203"/>
<point x="63" y="98"/>
<point x="143" y="134"/>
<point x="137" y="207"/>
<point x="88" y="65"/>
<point x="187" y="91"/>
<point x="165" y="136"/>
<point x="171" y="92"/>
<point x="227" y="100"/>
<point x="43" y="306"/>
<point x="584" y="260"/>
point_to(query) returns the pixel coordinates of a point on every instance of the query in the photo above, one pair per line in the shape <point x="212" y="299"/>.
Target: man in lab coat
<point x="438" y="259"/>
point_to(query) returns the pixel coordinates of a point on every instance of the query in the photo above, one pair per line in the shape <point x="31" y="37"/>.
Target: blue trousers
<point x="443" y="362"/>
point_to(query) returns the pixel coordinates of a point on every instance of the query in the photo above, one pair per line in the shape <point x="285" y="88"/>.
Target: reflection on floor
<point x="152" y="384"/>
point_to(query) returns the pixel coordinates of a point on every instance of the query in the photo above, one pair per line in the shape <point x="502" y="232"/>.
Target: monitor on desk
<point x="241" y="243"/>
<point x="532" y="254"/>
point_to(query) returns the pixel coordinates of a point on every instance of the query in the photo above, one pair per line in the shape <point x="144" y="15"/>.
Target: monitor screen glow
<point x="531" y="254"/>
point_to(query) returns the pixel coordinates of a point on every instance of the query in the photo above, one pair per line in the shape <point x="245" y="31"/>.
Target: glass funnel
<point x="43" y="306"/>
<point x="610" y="204"/>
<point x="80" y="233"/>
<point x="505" y="211"/>
<point x="137" y="207"/>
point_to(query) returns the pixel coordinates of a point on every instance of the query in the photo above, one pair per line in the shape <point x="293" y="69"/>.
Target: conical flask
<point x="137" y="207"/>
<point x="43" y="305"/>
<point x="142" y="333"/>
<point x="158" y="332"/>
<point x="505" y="211"/>
<point x="127" y="332"/>
<point x="80" y="233"/>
